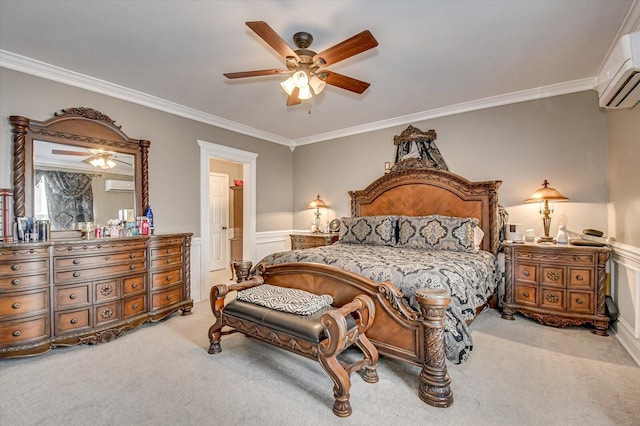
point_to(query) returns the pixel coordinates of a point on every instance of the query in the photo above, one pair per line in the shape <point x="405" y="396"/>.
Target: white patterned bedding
<point x="470" y="278"/>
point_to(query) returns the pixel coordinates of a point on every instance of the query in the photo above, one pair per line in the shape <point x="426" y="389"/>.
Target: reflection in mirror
<point x="75" y="185"/>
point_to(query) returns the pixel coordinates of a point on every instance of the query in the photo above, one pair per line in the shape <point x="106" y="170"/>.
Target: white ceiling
<point x="434" y="57"/>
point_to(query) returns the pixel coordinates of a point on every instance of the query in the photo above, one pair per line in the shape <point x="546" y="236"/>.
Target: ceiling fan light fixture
<point x="305" y="93"/>
<point x="288" y="85"/>
<point x="317" y="84"/>
<point x="110" y="164"/>
<point x="97" y="162"/>
<point x="300" y="79"/>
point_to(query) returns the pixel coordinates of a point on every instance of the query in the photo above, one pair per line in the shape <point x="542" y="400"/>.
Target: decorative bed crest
<point x="417" y="149"/>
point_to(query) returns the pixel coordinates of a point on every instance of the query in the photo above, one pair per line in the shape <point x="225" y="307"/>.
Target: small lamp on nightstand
<point x="546" y="194"/>
<point x="317" y="204"/>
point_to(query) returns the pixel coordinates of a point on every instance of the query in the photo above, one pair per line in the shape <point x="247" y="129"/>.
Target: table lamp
<point x="546" y="194"/>
<point x="316" y="204"/>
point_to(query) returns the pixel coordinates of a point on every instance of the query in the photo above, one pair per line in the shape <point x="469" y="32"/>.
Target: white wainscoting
<point x="196" y="279"/>
<point x="625" y="290"/>
<point x="272" y="241"/>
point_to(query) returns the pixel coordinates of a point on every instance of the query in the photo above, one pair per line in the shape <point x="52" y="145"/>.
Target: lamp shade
<point x="546" y="193"/>
<point x="305" y="92"/>
<point x="318" y="203"/>
<point x="288" y="85"/>
<point x="317" y="84"/>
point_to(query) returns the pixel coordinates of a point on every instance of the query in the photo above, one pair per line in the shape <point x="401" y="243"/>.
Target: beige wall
<point x="624" y="175"/>
<point x="173" y="156"/>
<point x="562" y="139"/>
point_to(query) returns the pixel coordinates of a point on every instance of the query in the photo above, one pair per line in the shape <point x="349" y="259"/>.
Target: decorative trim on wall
<point x="51" y="72"/>
<point x="625" y="288"/>
<point x="268" y="242"/>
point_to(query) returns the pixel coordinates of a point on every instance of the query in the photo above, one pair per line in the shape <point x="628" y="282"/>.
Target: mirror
<point x="83" y="154"/>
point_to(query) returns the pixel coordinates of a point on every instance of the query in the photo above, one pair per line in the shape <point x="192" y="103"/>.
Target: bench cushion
<point x="307" y="327"/>
<point x="292" y="300"/>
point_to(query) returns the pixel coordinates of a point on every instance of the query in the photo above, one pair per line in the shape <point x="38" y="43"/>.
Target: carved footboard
<point x="398" y="331"/>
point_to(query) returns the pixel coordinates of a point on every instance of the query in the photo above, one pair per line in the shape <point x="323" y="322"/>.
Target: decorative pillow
<point x="437" y="232"/>
<point x="371" y="230"/>
<point x="291" y="300"/>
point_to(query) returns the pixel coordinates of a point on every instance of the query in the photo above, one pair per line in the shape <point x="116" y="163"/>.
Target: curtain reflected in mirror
<point x="64" y="198"/>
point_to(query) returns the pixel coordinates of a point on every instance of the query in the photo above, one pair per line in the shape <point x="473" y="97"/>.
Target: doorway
<point x="247" y="160"/>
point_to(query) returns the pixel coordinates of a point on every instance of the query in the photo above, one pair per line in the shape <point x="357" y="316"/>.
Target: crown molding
<point x="37" y="68"/>
<point x="493" y="101"/>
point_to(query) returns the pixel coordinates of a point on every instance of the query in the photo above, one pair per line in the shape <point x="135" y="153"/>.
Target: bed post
<point x="434" y="388"/>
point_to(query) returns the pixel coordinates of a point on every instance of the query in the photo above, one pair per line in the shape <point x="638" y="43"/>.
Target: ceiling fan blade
<point x="357" y="44"/>
<point x="293" y="98"/>
<point x="265" y="32"/>
<point x="62" y="152"/>
<point x="256" y="73"/>
<point x="123" y="162"/>
<point x="344" y="82"/>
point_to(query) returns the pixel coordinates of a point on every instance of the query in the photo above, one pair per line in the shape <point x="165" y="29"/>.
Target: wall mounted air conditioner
<point x="618" y="84"/>
<point x="118" y="185"/>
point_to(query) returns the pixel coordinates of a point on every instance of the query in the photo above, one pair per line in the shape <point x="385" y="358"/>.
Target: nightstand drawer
<point x="581" y="302"/>
<point x="580" y="278"/>
<point x="527" y="273"/>
<point x="552" y="276"/>
<point x="552" y="299"/>
<point x="527" y="295"/>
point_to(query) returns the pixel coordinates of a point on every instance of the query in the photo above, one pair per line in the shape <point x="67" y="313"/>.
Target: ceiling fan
<point x="97" y="158"/>
<point x="305" y="65"/>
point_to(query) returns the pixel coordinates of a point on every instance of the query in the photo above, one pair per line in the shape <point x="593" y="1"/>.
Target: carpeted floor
<point x="519" y="372"/>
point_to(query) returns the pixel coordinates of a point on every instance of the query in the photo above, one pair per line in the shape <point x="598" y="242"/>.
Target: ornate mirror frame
<point x="82" y="127"/>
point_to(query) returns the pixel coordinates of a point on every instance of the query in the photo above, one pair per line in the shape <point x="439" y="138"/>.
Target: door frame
<point x="248" y="161"/>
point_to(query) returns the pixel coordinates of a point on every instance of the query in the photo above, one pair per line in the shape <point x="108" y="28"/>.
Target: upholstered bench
<point x="270" y="314"/>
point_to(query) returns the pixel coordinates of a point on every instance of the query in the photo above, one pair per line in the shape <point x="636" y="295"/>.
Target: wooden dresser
<point x="89" y="291"/>
<point x="302" y="241"/>
<point x="557" y="285"/>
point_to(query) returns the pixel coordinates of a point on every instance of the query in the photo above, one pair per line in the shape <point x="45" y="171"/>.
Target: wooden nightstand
<point x="557" y="285"/>
<point x="302" y="241"/>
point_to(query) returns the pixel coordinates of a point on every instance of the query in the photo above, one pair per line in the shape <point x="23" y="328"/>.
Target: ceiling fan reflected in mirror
<point x="305" y="67"/>
<point x="97" y="158"/>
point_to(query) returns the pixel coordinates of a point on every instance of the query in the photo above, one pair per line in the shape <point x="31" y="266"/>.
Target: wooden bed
<point x="411" y="188"/>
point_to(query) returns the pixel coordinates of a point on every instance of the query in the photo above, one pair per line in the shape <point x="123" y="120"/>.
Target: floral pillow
<point x="371" y="230"/>
<point x="437" y="232"/>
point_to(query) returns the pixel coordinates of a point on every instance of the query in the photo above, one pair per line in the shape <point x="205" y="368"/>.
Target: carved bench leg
<point x="434" y="388"/>
<point x="369" y="372"/>
<point x="216" y="299"/>
<point x="341" y="385"/>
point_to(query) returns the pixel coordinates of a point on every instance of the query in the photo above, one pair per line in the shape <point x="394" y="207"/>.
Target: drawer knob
<point x="132" y="267"/>
<point x="73" y="296"/>
<point x="579" y="301"/>
<point x="168" y="277"/>
<point x="168" y="251"/>
<point x="525" y="294"/>
<point x="134" y="285"/>
<point x="135" y="306"/>
<point x="74" y="321"/>
<point x="525" y="273"/>
<point x="107" y="258"/>
<point x="17" y="333"/>
<point x="76" y="274"/>
<point x="168" y="261"/>
<point x="579" y="278"/>
<point x="15" y="267"/>
<point x="15" y="281"/>
<point x="132" y="255"/>
<point x="106" y="290"/>
<point x="16" y="305"/>
<point x="169" y="297"/>
<point x="76" y="261"/>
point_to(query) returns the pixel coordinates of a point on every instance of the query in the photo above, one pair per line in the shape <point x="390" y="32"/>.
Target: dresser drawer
<point x="105" y="290"/>
<point x="106" y="313"/>
<point x="552" y="299"/>
<point x="80" y="262"/>
<point x="166" y="250"/>
<point x="68" y="297"/>
<point x="581" y="278"/>
<point x="20" y="282"/>
<point x="166" y="297"/>
<point x="24" y="303"/>
<point x="165" y="278"/>
<point x="17" y="332"/>
<point x="18" y="267"/>
<point x="552" y="276"/>
<point x="98" y="272"/>
<point x="526" y="273"/>
<point x="134" y="305"/>
<point x="526" y="295"/>
<point x="166" y="261"/>
<point x="581" y="302"/>
<point x="133" y="285"/>
<point x="72" y="320"/>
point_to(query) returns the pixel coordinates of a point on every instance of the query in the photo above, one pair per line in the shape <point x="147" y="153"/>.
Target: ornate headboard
<point x="413" y="189"/>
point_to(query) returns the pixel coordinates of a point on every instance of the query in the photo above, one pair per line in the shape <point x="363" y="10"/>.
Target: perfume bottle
<point x="149" y="214"/>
